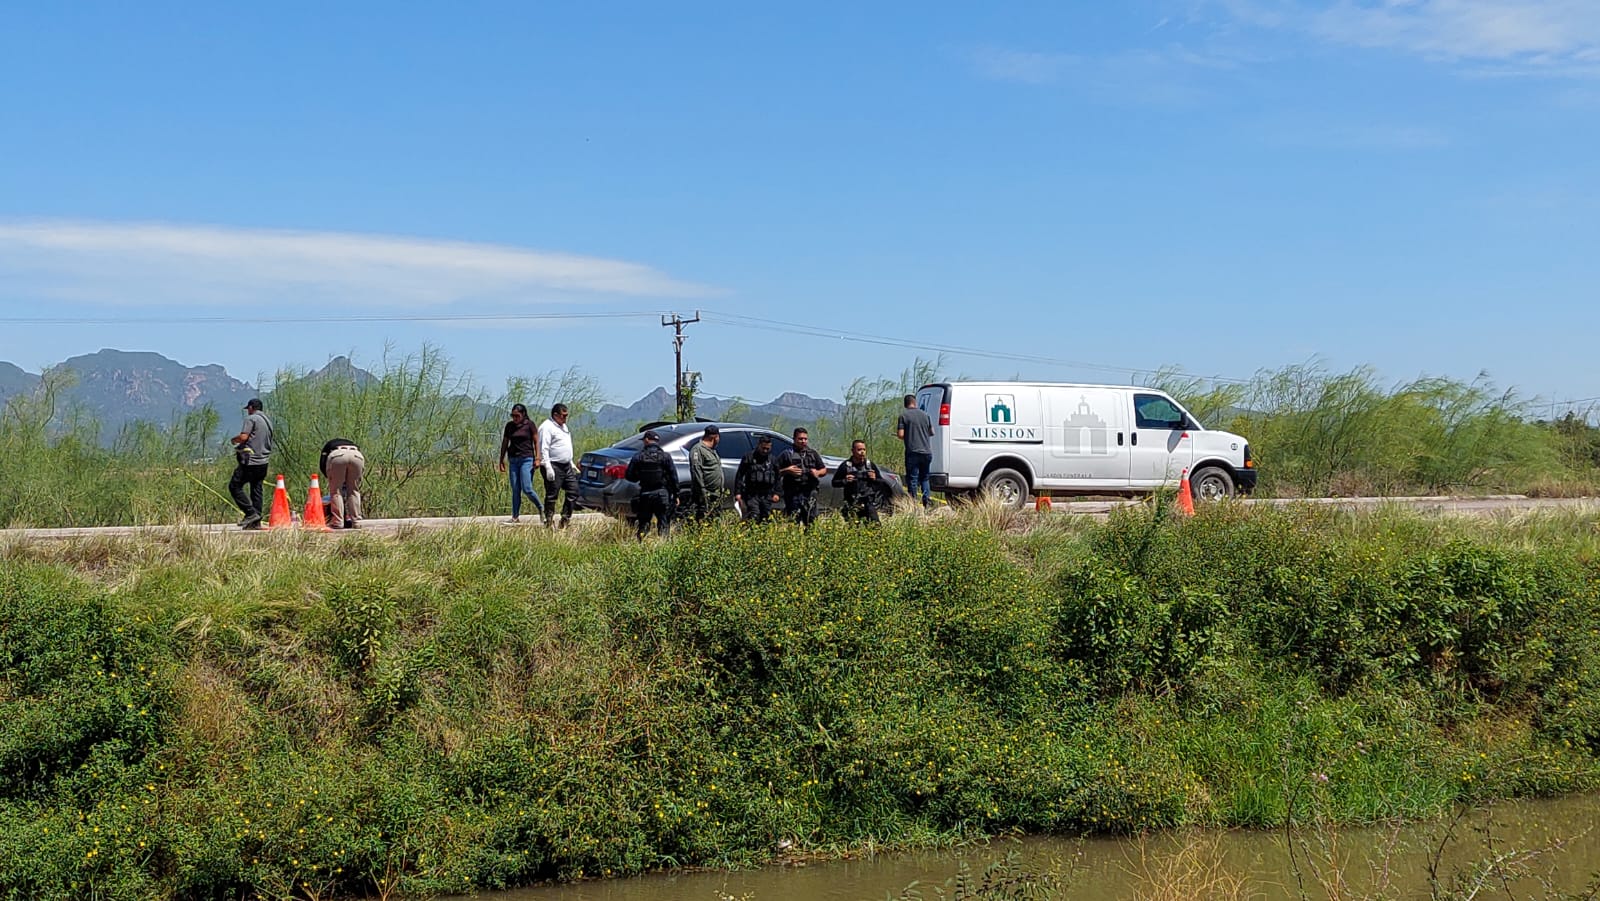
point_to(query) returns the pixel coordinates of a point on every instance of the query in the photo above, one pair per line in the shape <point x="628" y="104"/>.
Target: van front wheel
<point x="1211" y="483"/>
<point x="1008" y="487"/>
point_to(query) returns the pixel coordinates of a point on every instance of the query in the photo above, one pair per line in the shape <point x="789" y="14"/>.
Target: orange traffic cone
<point x="1185" y="495"/>
<point x="313" y="518"/>
<point x="1041" y="504"/>
<point x="280" y="518"/>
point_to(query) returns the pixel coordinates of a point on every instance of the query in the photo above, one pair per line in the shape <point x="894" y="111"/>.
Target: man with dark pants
<point x="705" y="474"/>
<point x="657" y="476"/>
<point x="802" y="470"/>
<point x="252" y="450"/>
<point x="560" y="475"/>
<point x="861" y="482"/>
<point x="915" y="429"/>
<point x="755" y="485"/>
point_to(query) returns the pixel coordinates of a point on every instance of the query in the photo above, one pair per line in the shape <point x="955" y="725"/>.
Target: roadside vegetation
<point x="193" y="715"/>
<point x="431" y="437"/>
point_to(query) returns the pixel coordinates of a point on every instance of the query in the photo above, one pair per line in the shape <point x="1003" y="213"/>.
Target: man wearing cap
<point x="705" y="474"/>
<point x="252" y="448"/>
<point x="657" y="476"/>
<point x="755" y="485"/>
<point x="343" y="464"/>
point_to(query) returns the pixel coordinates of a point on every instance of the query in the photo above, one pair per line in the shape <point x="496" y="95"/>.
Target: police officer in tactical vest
<point x="657" y="476"/>
<point x="861" y="482"/>
<point x="801" y="469"/>
<point x="755" y="486"/>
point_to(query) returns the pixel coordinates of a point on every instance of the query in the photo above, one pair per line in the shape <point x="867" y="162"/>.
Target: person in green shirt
<point x="705" y="475"/>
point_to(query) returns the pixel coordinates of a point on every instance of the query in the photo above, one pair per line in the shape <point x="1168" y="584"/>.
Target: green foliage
<point x="479" y="708"/>
<point x="1316" y="433"/>
<point x="430" y="437"/>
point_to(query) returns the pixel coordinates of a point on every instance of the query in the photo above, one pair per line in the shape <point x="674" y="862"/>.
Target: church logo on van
<point x="1085" y="434"/>
<point x="1001" y="408"/>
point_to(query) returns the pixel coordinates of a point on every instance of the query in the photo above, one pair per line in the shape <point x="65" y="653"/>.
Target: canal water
<point x="1546" y="846"/>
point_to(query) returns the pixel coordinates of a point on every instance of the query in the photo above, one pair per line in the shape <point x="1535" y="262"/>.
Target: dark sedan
<point x="601" y="485"/>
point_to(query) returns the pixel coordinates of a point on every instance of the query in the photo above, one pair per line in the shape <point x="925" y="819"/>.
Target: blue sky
<point x="1219" y="185"/>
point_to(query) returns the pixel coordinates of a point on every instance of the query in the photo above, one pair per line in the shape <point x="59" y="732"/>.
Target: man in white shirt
<point x="560" y="475"/>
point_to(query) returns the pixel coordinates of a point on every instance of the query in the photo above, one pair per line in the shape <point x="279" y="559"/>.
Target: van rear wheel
<point x="1211" y="483"/>
<point x="1008" y="487"/>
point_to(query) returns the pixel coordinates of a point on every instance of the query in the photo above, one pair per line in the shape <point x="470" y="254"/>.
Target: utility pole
<point x="677" y="323"/>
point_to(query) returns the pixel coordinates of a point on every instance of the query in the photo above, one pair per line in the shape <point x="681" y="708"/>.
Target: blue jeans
<point x="917" y="472"/>
<point x="521" y="472"/>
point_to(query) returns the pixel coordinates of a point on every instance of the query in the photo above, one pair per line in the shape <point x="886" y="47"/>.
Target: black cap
<point x="713" y="430"/>
<point x="253" y="403"/>
<point x="651" y="436"/>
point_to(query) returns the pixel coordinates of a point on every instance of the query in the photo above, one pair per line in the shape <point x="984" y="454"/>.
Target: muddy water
<point x="1560" y="835"/>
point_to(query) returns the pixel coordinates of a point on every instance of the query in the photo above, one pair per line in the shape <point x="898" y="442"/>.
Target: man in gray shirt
<point x="252" y="448"/>
<point x="916" y="431"/>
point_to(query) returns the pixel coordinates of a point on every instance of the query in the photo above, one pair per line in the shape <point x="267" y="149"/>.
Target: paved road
<point x="1502" y="503"/>
<point x="373" y="526"/>
<point x="1469" y="506"/>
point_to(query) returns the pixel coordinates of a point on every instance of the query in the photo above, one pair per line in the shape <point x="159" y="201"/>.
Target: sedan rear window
<point x="667" y="433"/>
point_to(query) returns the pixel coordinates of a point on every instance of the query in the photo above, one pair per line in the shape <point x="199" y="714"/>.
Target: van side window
<point x="1152" y="411"/>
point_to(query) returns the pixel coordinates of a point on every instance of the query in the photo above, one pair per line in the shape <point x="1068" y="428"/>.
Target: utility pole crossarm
<point x="677" y="323"/>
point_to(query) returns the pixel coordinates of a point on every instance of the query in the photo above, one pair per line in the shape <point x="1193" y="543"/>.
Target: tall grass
<point x="1317" y="433"/>
<point x="430" y="435"/>
<point x="431" y="438"/>
<point x="186" y="715"/>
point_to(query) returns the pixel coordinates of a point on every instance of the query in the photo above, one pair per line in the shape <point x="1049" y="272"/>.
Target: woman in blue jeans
<point x="521" y="444"/>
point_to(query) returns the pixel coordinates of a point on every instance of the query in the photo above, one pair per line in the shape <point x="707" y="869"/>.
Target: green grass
<point x="431" y="452"/>
<point x="185" y="715"/>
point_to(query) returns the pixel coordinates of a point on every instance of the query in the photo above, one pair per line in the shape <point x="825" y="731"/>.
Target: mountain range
<point x="116" y="387"/>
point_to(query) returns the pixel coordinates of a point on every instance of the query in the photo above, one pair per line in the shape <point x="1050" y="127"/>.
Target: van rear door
<point x="934" y="400"/>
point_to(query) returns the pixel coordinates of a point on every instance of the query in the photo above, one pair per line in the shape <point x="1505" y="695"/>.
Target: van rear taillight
<point x="944" y="414"/>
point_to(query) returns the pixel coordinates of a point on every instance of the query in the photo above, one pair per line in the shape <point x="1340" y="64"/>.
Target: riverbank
<point x="479" y="708"/>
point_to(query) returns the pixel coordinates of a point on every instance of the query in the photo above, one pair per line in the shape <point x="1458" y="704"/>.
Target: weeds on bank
<point x="480" y="708"/>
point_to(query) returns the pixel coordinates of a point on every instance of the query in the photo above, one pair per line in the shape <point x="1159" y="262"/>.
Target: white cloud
<point x="1165" y="76"/>
<point x="1557" y="37"/>
<point x="150" y="263"/>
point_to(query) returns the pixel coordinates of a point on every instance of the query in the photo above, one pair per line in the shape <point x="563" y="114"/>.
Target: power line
<point x="734" y="320"/>
<point x="754" y="322"/>
<point x="300" y="320"/>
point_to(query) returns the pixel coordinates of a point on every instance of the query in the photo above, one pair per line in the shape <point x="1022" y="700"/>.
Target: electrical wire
<point x="737" y="320"/>
<point x="299" y="320"/>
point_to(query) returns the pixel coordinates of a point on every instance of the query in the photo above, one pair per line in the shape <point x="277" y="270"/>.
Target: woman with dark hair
<point x="521" y="444"/>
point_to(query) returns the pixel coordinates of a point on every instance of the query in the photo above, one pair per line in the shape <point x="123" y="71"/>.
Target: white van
<point x="1013" y="438"/>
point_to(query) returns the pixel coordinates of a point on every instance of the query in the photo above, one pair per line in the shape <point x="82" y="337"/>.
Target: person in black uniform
<point x="657" y="476"/>
<point x="802" y="470"/>
<point x="862" y="483"/>
<point x="755" y="486"/>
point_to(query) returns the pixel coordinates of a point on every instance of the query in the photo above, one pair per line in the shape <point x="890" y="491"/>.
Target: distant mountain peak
<point x="121" y="386"/>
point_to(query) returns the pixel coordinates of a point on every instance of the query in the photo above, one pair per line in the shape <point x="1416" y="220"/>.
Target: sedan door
<point x="732" y="448"/>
